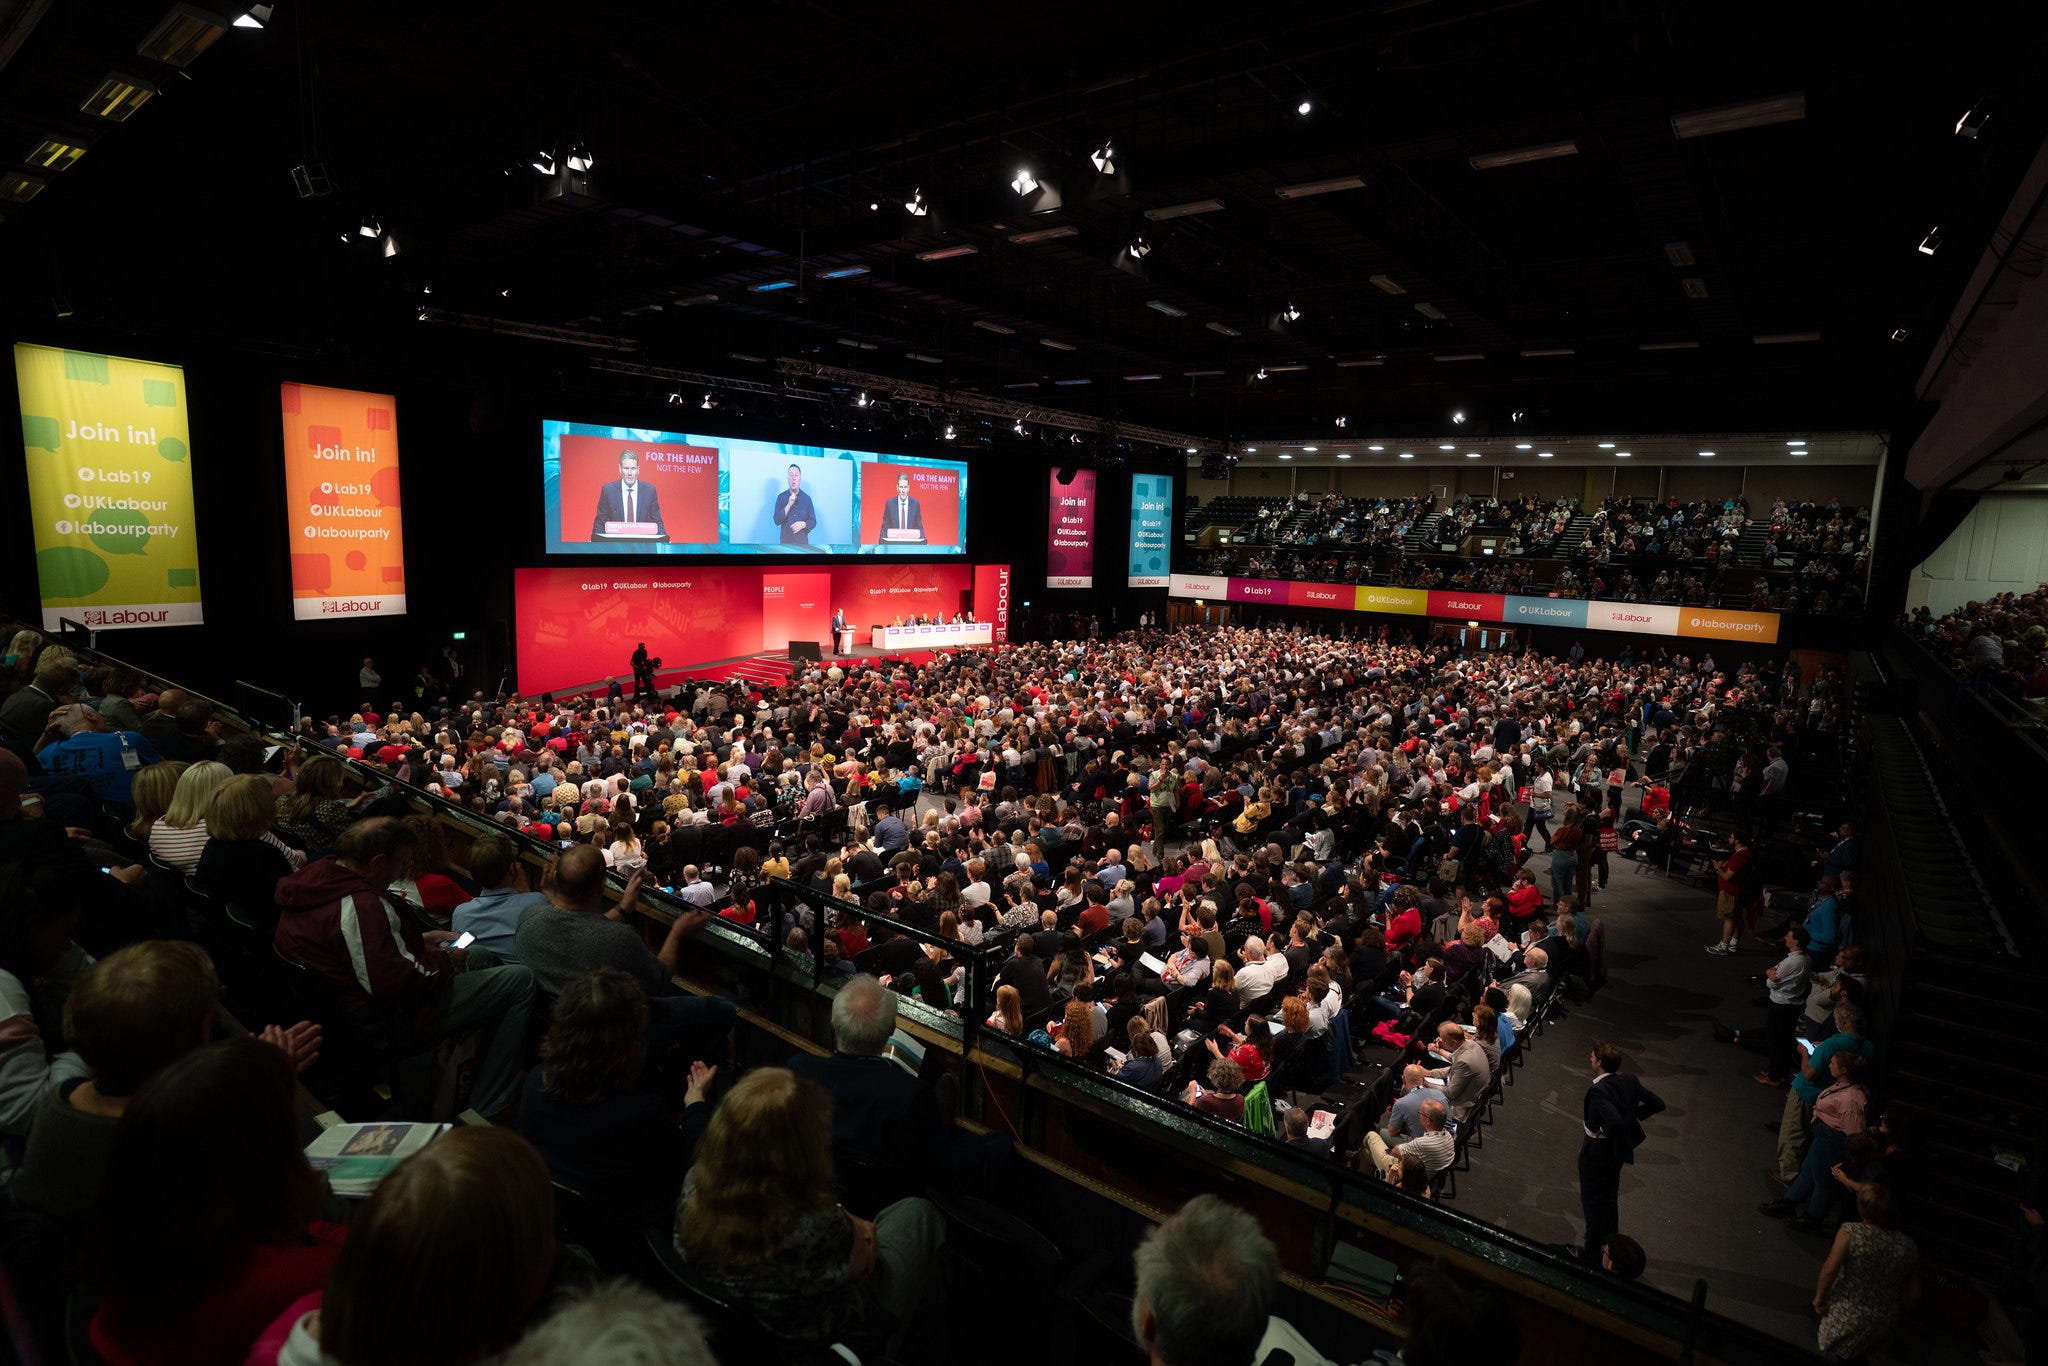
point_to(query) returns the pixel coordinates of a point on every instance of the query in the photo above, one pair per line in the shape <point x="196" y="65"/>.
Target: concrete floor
<point x="1691" y="1198"/>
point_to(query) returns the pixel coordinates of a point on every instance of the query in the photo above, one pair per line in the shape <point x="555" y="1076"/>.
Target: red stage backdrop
<point x="1070" y="531"/>
<point x="685" y="478"/>
<point x="794" y="606"/>
<point x="573" y="626"/>
<point x="992" y="598"/>
<point x="938" y="498"/>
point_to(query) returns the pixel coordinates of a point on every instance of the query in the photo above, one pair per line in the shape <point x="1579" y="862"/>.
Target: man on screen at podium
<point x="902" y="518"/>
<point x="793" y="511"/>
<point x="626" y="508"/>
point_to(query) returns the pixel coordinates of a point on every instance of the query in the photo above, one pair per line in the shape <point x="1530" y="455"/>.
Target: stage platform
<point x="768" y="668"/>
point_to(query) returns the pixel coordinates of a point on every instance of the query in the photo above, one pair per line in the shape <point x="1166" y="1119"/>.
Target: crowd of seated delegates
<point x="1705" y="531"/>
<point x="1105" y="806"/>
<point x="1999" y="644"/>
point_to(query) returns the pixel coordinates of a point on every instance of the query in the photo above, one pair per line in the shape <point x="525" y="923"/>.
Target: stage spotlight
<point x="1305" y="108"/>
<point x="1261" y="374"/>
<point x="915" y="205"/>
<point x="1458" y="417"/>
<point x="580" y="158"/>
<point x="1972" y="122"/>
<point x="1931" y="243"/>
<point x="1899" y="334"/>
<point x="390" y="247"/>
<point x="949" y="431"/>
<point x="1024" y="183"/>
<point x="1291" y="313"/>
<point x="1516" y="415"/>
<point x="1139" y="247"/>
<point x="708" y="402"/>
<point x="1018" y="426"/>
<point x="1105" y="159"/>
<point x="862" y="400"/>
<point x="674" y="397"/>
<point x="258" y="16"/>
<point x="369" y="227"/>
<point x="544" y="161"/>
<point x="1343" y="421"/>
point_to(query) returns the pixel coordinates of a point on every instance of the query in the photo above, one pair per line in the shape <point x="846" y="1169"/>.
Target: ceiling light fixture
<point x="1044" y="235"/>
<point x="1730" y="118"/>
<point x="1899" y="334"/>
<point x="1972" y="122"/>
<point x="1621" y="455"/>
<point x="948" y="433"/>
<point x="1305" y="108"/>
<point x="1161" y="306"/>
<point x="1668" y="346"/>
<point x="1291" y="313"/>
<point x="1471" y="455"/>
<point x="1018" y="426"/>
<point x="1795" y="443"/>
<point x="1225" y="329"/>
<point x="1706" y="455"/>
<point x="861" y="400"/>
<point x="1607" y="445"/>
<point x="1523" y="446"/>
<point x="1430" y="311"/>
<point x="1931" y="243"/>
<point x="1287" y="369"/>
<point x="1286" y="456"/>
<point x="985" y="325"/>
<point x="1187" y="210"/>
<point x="1407" y="455"/>
<point x="1388" y="283"/>
<point x="1312" y="188"/>
<point x="1057" y="345"/>
<point x="1139" y="246"/>
<point x="1543" y="455"/>
<point x="1342" y="421"/>
<point x="1023" y="183"/>
<point x="1464" y="355"/>
<point x="1547" y="151"/>
<point x="707" y="402"/>
<point x="1136" y="378"/>
<point x="1782" y="338"/>
<point x="544" y="161"/>
<point x="1261" y="374"/>
<point x="1104" y="158"/>
<point x="948" y="253"/>
<point x="55" y="154"/>
<point x="915" y="205"/>
<point x="1693" y="287"/>
<point x="1680" y="254"/>
<point x="117" y="97"/>
<point x="771" y="286"/>
<point x="369" y="227"/>
<point x="1457" y="415"/>
<point x="1375" y="448"/>
<point x="1447" y="447"/>
<point x="181" y="35"/>
<point x="1356" y="364"/>
<point x="256" y="16"/>
<point x="1549" y="351"/>
<point x="922" y="359"/>
<point x="580" y="159"/>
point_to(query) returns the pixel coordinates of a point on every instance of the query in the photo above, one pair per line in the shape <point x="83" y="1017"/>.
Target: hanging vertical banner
<point x="108" y="446"/>
<point x="1070" y="530"/>
<point x="341" y="500"/>
<point x="1151" y="517"/>
<point x="992" y="598"/>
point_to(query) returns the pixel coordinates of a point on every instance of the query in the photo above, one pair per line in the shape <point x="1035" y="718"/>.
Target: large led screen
<point x="634" y="491"/>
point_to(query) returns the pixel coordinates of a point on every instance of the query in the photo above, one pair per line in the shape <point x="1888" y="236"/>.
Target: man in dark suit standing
<point x="839" y="640"/>
<point x="1616" y="1106"/>
<point x="626" y="499"/>
<point x="902" y="513"/>
<point x="794" y="512"/>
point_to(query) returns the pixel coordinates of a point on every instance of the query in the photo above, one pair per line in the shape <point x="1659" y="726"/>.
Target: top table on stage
<point x="933" y="637"/>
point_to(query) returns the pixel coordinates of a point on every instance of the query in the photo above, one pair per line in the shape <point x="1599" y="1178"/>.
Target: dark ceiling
<point x="743" y="145"/>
